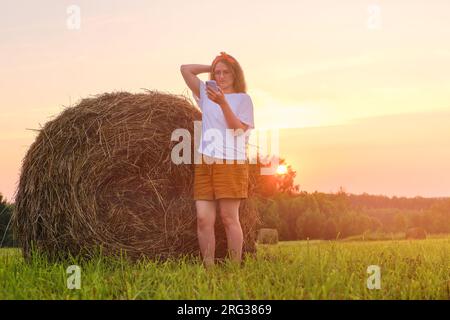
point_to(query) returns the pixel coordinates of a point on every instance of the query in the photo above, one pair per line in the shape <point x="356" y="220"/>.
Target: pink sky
<point x="368" y="104"/>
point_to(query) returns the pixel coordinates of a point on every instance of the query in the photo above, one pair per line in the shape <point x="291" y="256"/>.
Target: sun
<point x="282" y="169"/>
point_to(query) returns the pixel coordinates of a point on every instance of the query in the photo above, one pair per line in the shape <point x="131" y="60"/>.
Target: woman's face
<point x="224" y="77"/>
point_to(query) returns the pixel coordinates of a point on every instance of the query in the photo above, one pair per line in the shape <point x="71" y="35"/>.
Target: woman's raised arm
<point x="189" y="73"/>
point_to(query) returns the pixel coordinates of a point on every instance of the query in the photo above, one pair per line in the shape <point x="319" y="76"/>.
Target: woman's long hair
<point x="239" y="84"/>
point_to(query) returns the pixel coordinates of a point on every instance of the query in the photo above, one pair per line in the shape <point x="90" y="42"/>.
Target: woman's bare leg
<point x="206" y="217"/>
<point x="229" y="212"/>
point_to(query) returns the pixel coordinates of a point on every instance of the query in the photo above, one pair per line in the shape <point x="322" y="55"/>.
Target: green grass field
<point x="417" y="269"/>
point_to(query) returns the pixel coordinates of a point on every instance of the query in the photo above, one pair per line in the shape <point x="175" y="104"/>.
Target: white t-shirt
<point x="217" y="140"/>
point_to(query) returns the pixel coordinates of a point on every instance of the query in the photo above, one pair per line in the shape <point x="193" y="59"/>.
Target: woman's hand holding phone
<point x="214" y="92"/>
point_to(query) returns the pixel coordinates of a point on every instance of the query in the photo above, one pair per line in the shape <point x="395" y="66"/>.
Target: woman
<point x="222" y="177"/>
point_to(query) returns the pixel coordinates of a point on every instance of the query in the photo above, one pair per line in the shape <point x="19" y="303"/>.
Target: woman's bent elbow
<point x="184" y="67"/>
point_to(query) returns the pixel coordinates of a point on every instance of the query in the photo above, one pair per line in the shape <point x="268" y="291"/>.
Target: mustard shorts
<point x="214" y="181"/>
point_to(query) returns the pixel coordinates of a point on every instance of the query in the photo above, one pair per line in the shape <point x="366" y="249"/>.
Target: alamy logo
<point x="374" y="280"/>
<point x="74" y="279"/>
<point x="260" y="147"/>
<point x="73" y="21"/>
<point x="374" y="20"/>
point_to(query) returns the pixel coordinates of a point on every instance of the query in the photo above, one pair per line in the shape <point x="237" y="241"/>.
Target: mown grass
<point x="417" y="269"/>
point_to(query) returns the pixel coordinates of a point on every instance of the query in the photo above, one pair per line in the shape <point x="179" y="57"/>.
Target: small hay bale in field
<point x="100" y="175"/>
<point x="416" y="233"/>
<point x="268" y="236"/>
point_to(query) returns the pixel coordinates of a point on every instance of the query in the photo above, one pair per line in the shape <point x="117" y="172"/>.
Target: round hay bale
<point x="416" y="233"/>
<point x="100" y="175"/>
<point x="268" y="236"/>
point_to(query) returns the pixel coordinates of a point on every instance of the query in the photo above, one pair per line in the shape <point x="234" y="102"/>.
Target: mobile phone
<point x="212" y="84"/>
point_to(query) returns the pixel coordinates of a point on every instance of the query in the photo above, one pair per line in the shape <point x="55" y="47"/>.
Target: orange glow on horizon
<point x="353" y="105"/>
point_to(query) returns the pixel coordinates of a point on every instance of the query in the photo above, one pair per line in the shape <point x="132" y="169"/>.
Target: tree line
<point x="335" y="216"/>
<point x="302" y="215"/>
<point x="6" y="237"/>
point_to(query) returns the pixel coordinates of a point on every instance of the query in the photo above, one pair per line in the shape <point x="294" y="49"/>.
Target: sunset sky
<point x="360" y="90"/>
